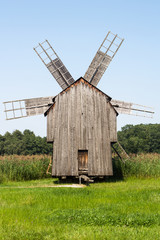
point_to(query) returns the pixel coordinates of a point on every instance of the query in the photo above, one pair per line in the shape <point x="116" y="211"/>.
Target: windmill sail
<point x="26" y="107"/>
<point x="54" y="64"/>
<point x="132" y="108"/>
<point x="103" y="57"/>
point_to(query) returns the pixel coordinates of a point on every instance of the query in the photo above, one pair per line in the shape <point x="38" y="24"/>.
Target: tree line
<point x="25" y="143"/>
<point x="141" y="138"/>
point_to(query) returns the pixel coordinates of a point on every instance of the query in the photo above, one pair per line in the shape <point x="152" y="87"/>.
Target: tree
<point x="140" y="138"/>
<point x="25" y="143"/>
<point x="2" y="139"/>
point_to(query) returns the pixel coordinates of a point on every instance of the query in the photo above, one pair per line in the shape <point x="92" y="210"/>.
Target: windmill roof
<point x="81" y="79"/>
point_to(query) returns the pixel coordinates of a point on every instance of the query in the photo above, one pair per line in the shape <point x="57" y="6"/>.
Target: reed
<point x="138" y="166"/>
<point x="20" y="168"/>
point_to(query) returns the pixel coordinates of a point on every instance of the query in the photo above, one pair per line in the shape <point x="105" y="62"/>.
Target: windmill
<point x="81" y="120"/>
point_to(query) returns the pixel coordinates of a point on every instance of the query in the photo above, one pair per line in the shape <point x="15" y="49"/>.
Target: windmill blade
<point x="26" y="107"/>
<point x="132" y="109"/>
<point x="56" y="67"/>
<point x="103" y="57"/>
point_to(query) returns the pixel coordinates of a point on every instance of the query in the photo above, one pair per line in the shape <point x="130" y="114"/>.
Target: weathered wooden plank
<point x="48" y="127"/>
<point x="110" y="159"/>
<point x="84" y="116"/>
<point x="78" y="122"/>
<point x="58" y="138"/>
<point x="103" y="127"/>
<point x="81" y="117"/>
<point x="104" y="137"/>
<point x="73" y="133"/>
<point x="53" y="117"/>
<point x="67" y="146"/>
<point x="91" y="148"/>
<point x="113" y="126"/>
<point x="54" y="165"/>
<point x="68" y="137"/>
<point x="88" y="92"/>
<point x="103" y="134"/>
<point x="50" y="124"/>
<point x="94" y="135"/>
<point x="62" y="146"/>
<point x="108" y="148"/>
<point x="107" y="138"/>
<point x="98" y="129"/>
<point x="71" y="130"/>
<point x="77" y="126"/>
<point x="78" y="116"/>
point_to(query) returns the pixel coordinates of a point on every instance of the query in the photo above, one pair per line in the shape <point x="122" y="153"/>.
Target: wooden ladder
<point x="49" y="165"/>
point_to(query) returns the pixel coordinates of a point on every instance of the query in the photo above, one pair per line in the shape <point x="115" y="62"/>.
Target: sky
<point x="75" y="30"/>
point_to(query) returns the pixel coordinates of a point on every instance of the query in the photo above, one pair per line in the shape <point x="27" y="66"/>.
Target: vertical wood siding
<point x="81" y="119"/>
<point x="113" y="126"/>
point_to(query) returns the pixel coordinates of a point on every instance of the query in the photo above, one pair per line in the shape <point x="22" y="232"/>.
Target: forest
<point x="25" y="143"/>
<point x="142" y="138"/>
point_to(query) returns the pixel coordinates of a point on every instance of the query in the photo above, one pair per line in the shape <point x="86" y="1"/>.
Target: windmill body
<point x="81" y="120"/>
<point x="81" y="124"/>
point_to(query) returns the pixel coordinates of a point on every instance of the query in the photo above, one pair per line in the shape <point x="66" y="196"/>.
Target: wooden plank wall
<point x="81" y="120"/>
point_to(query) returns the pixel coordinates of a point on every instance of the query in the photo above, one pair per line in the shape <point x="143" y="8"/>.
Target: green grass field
<point x="127" y="209"/>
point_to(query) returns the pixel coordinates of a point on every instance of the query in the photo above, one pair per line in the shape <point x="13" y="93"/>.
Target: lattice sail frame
<point x="56" y="67"/>
<point x="27" y="107"/>
<point x="132" y="108"/>
<point x="103" y="57"/>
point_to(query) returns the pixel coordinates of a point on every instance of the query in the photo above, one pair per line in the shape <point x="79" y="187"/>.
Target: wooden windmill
<point x="81" y="120"/>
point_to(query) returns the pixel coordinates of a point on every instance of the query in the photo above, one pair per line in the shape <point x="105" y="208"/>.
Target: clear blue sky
<point x="76" y="29"/>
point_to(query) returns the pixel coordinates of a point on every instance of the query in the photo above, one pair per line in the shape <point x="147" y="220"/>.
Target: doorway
<point x="82" y="161"/>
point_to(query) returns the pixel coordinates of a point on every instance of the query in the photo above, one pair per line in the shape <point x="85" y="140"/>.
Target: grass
<point x="138" y="166"/>
<point x="125" y="207"/>
<point x="20" y="168"/>
<point x="114" y="210"/>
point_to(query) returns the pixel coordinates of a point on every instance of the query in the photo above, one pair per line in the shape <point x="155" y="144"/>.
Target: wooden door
<point x="83" y="161"/>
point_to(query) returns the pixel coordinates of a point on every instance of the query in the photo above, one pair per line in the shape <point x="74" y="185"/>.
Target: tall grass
<point x="19" y="168"/>
<point x="138" y="166"/>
